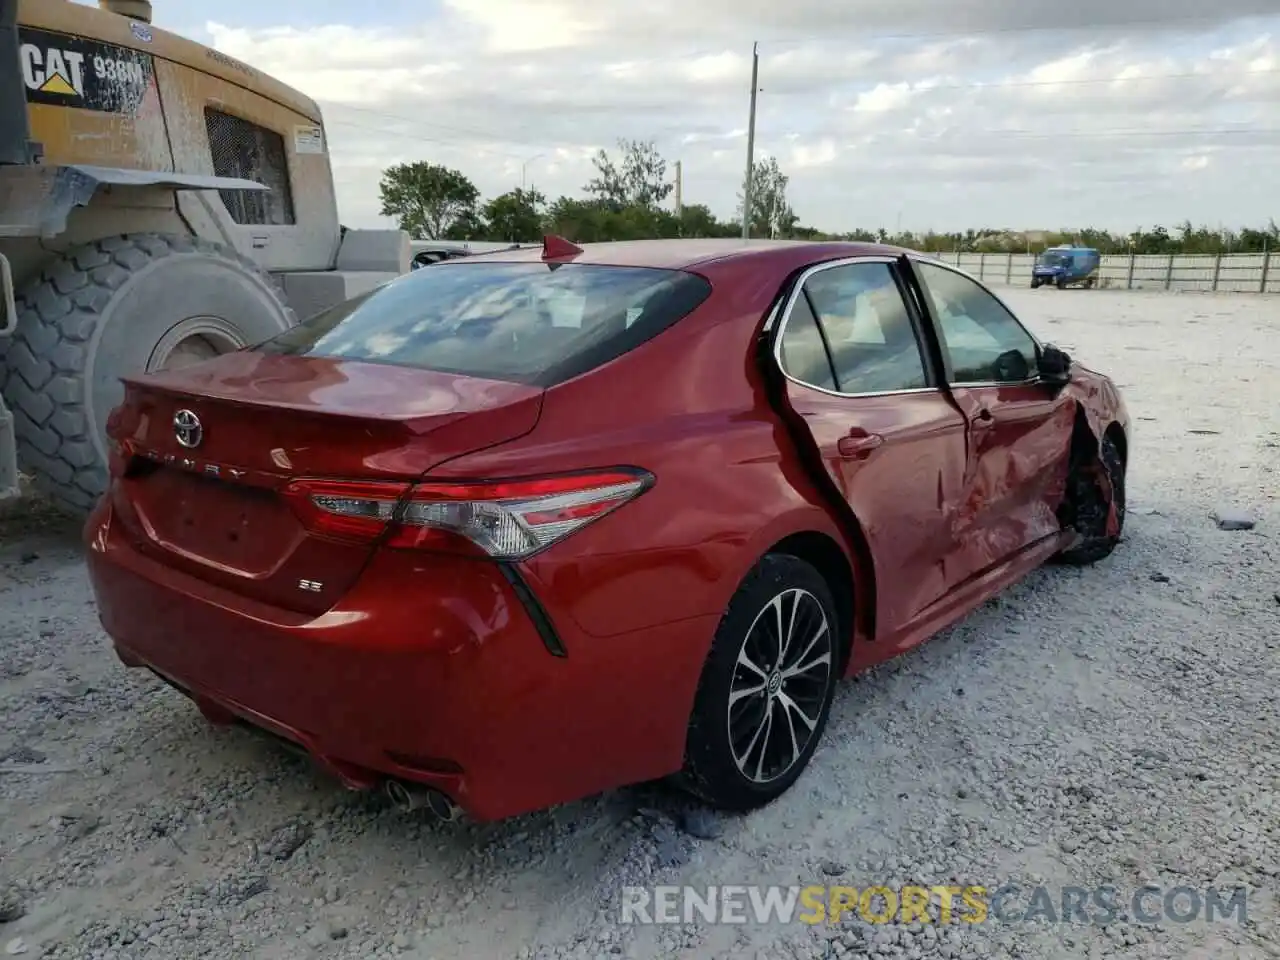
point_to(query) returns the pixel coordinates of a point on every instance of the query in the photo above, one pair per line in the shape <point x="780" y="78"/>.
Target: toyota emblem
<point x="187" y="428"/>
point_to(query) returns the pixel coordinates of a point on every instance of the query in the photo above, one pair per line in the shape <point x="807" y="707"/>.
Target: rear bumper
<point x="430" y="669"/>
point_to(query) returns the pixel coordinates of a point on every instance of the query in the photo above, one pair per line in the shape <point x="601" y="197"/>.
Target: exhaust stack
<point x="133" y="9"/>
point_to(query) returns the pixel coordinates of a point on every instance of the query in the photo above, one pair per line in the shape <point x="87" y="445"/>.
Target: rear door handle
<point x="858" y="444"/>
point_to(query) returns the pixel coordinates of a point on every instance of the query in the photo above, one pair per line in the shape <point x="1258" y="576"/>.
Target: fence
<point x="1229" y="273"/>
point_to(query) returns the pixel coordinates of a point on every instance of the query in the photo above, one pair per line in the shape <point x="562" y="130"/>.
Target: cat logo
<point x="53" y="71"/>
<point x="60" y="70"/>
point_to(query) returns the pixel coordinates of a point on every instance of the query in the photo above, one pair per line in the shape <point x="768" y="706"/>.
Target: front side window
<point x="984" y="342"/>
<point x="868" y="328"/>
<point x="531" y="323"/>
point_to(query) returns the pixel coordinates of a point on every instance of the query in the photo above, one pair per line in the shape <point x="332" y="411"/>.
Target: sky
<point x="919" y="114"/>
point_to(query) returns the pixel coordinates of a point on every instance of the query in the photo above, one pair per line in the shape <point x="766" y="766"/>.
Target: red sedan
<point x="528" y="526"/>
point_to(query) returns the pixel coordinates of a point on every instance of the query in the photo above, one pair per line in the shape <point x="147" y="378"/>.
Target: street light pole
<point x="524" y="169"/>
<point x="751" y="144"/>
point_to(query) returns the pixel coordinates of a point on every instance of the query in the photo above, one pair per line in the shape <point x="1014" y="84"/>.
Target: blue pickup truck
<point x="1067" y="266"/>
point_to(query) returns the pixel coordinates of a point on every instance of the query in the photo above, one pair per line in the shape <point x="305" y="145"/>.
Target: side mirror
<point x="1054" y="365"/>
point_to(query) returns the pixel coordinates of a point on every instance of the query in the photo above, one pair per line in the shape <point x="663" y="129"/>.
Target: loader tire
<point x="116" y="307"/>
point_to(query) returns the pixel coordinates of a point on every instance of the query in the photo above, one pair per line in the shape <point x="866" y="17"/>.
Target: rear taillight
<point x="506" y="520"/>
<point x="350" y="510"/>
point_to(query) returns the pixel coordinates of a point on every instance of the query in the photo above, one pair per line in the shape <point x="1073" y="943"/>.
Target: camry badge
<point x="188" y="429"/>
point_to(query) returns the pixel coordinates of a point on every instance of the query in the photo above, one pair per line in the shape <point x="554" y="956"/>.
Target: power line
<point x="1014" y="134"/>
<point x="1131" y="78"/>
<point x="1041" y="27"/>
<point x="1086" y="134"/>
<point x="503" y="137"/>
<point x="386" y="131"/>
<point x="490" y="135"/>
<point x="959" y="33"/>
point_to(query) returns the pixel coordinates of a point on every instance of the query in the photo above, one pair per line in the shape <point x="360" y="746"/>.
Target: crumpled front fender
<point x="1099" y="408"/>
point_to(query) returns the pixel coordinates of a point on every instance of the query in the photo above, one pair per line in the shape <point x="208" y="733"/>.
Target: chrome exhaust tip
<point x="442" y="808"/>
<point x="404" y="799"/>
<point x="411" y="797"/>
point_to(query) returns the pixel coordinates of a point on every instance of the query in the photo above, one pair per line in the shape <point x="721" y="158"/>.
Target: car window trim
<point x="797" y="291"/>
<point x="927" y="305"/>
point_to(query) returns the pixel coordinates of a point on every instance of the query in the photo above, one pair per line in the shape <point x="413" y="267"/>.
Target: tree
<point x="771" y="214"/>
<point x="428" y="199"/>
<point x="595" y="221"/>
<point x="697" y="220"/>
<point x="469" y="226"/>
<point x="581" y="221"/>
<point x="515" y="216"/>
<point x="637" y="179"/>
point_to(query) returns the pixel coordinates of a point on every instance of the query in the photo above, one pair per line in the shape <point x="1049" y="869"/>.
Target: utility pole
<point x="751" y="144"/>
<point x="679" y="188"/>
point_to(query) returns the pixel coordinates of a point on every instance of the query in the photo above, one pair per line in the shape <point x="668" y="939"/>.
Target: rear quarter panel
<point x="691" y="407"/>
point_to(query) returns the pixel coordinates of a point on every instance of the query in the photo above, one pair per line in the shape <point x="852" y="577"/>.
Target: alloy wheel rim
<point x="779" y="685"/>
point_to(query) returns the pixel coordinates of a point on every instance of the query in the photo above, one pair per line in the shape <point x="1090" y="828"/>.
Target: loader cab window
<point x="249" y="152"/>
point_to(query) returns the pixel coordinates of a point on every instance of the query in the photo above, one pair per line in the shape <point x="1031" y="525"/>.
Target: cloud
<point x="950" y="115"/>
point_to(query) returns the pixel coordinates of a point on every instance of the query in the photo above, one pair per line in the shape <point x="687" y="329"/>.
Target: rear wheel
<point x="1092" y="510"/>
<point x="120" y="306"/>
<point x="766" y="689"/>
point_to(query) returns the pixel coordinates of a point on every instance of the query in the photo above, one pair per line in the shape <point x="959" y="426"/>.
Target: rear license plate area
<point x="239" y="527"/>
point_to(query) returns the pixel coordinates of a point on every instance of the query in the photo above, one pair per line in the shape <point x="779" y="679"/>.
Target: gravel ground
<point x="1112" y="725"/>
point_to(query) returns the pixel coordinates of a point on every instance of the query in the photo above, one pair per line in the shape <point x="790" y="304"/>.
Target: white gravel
<point x="1114" y="724"/>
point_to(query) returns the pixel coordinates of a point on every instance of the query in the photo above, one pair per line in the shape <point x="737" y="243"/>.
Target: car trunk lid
<point x="208" y="453"/>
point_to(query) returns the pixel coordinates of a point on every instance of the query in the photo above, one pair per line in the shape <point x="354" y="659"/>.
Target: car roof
<point x="689" y="254"/>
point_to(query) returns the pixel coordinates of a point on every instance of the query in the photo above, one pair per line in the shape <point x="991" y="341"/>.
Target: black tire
<point x="1035" y="284"/>
<point x="109" y="309"/>
<point x="1062" y="283"/>
<point x="714" y="769"/>
<point x="1091" y="510"/>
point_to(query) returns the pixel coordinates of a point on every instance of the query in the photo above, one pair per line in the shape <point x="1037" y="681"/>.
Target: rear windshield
<point x="531" y="323"/>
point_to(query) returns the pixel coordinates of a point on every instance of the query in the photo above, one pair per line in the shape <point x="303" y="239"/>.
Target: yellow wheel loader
<point x="160" y="203"/>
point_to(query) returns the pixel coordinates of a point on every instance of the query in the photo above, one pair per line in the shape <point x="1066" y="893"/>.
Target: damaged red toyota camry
<point x="525" y="527"/>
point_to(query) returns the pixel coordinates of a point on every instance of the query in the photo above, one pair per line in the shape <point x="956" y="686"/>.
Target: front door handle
<point x="859" y="444"/>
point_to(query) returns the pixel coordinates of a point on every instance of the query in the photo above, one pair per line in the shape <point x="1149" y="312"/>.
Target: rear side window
<point x="849" y="331"/>
<point x="803" y="349"/>
<point x="869" y="331"/>
<point x="530" y="323"/>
